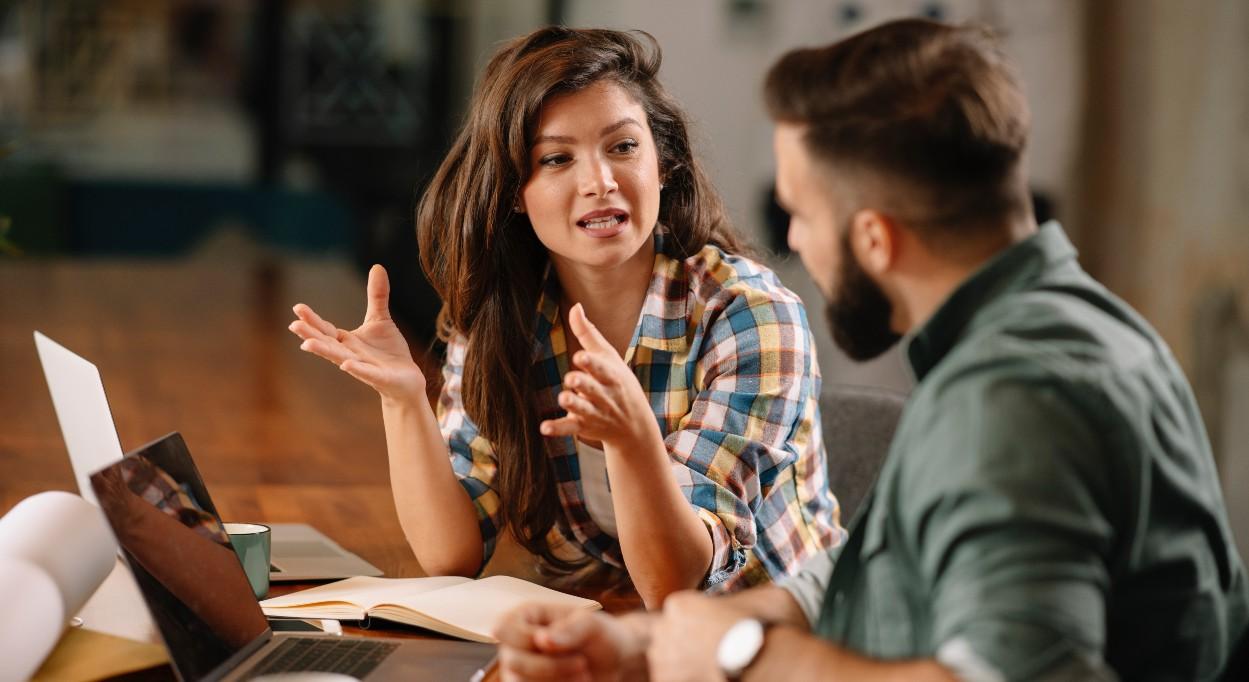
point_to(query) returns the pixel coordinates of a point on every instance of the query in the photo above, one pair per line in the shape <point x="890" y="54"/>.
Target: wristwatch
<point x="739" y="646"/>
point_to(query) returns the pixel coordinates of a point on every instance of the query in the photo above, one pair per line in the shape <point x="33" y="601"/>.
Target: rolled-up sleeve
<point x="735" y="452"/>
<point x="1012" y="533"/>
<point x="809" y="585"/>
<point x="472" y="456"/>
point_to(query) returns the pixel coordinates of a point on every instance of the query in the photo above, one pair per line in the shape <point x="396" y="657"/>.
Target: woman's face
<point x="593" y="189"/>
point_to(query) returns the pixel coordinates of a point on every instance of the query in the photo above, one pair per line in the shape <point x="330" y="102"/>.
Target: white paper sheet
<point x="30" y="621"/>
<point x="118" y="608"/>
<point x="56" y="550"/>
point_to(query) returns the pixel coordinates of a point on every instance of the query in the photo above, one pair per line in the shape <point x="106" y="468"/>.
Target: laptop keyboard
<point x="355" y="657"/>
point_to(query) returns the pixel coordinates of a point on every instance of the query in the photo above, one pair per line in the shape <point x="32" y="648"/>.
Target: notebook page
<point x="477" y="605"/>
<point x="362" y="591"/>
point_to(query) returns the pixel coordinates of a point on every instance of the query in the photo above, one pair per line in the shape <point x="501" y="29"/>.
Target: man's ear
<point x="874" y="238"/>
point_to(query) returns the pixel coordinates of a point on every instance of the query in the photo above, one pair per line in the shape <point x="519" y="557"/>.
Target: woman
<point x="570" y="195"/>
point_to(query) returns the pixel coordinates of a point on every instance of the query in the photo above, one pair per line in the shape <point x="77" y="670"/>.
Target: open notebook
<point x="455" y="606"/>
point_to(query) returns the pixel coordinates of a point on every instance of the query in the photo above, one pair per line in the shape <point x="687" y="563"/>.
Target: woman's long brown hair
<point x="486" y="262"/>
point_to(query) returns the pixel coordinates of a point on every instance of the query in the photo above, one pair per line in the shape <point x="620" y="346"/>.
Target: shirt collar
<point x="662" y="324"/>
<point x="1013" y="269"/>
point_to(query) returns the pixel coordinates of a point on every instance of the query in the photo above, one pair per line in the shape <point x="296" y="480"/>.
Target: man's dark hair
<point x="931" y="113"/>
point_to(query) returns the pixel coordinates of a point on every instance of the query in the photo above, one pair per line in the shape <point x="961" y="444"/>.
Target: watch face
<point x="739" y="646"/>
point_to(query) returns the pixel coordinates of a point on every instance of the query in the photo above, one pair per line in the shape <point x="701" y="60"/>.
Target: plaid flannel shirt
<point x="723" y="352"/>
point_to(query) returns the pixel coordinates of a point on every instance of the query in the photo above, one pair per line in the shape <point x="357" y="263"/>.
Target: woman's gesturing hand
<point x="602" y="396"/>
<point x="375" y="352"/>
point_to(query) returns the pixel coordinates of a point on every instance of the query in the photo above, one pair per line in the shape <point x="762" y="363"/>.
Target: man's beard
<point x="859" y="312"/>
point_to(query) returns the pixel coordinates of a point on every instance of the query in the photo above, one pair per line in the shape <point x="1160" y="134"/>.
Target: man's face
<point x="801" y="189"/>
<point x="858" y="310"/>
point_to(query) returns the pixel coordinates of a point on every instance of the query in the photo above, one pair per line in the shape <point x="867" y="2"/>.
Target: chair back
<point x="858" y="423"/>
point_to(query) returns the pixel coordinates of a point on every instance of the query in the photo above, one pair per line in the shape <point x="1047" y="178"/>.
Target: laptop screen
<point x="181" y="557"/>
<point x="81" y="409"/>
<point x="170" y="453"/>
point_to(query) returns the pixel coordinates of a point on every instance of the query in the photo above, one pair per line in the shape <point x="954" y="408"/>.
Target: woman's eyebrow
<point x="618" y="125"/>
<point x="562" y="139"/>
<point x="565" y="139"/>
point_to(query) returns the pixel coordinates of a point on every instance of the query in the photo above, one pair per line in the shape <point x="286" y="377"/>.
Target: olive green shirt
<point x="1049" y="506"/>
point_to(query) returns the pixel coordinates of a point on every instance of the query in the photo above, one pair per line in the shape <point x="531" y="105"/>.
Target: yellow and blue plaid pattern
<point x="724" y="354"/>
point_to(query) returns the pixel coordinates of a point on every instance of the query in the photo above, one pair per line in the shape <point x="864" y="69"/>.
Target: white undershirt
<point x="594" y="485"/>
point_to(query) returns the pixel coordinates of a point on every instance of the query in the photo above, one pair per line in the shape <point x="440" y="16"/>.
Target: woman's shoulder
<point x="454" y="354"/>
<point x="717" y="276"/>
<point x="738" y="306"/>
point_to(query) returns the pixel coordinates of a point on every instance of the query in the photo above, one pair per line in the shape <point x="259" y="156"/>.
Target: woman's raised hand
<point x="602" y="396"/>
<point x="375" y="352"/>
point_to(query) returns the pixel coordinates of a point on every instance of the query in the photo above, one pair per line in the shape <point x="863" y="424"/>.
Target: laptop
<point x="300" y="552"/>
<point x="203" y="606"/>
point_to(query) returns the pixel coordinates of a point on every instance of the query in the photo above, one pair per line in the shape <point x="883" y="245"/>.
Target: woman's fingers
<point x="377" y="305"/>
<point x="350" y="344"/>
<point x="564" y="426"/>
<point x="596" y="365"/>
<point x="365" y="372"/>
<point x="306" y="331"/>
<point x="588" y="387"/>
<point x="586" y="332"/>
<point x="330" y="350"/>
<point x="310" y="316"/>
<point x="577" y="405"/>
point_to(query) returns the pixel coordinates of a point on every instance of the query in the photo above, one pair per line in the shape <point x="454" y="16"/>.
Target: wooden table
<point x="200" y="346"/>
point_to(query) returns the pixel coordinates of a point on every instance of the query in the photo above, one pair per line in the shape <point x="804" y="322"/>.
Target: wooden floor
<point x="201" y="347"/>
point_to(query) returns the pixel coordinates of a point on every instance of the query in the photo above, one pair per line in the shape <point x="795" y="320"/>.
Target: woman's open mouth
<point x="603" y="223"/>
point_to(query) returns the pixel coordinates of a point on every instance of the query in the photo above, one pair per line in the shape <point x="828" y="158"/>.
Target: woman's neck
<point x="612" y="297"/>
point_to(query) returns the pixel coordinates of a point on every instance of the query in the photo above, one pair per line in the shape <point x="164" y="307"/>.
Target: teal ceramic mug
<point x="252" y="543"/>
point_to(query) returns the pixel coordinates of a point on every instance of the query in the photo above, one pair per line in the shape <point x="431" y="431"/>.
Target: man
<point x="1049" y="508"/>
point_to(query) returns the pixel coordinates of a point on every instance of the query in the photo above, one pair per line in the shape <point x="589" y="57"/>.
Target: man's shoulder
<point x="1077" y="335"/>
<point x="1046" y="370"/>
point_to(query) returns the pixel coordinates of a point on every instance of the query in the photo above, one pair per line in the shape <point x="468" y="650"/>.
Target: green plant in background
<point x="7" y="247"/>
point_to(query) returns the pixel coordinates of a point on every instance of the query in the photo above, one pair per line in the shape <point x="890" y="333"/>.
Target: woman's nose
<point x="597" y="179"/>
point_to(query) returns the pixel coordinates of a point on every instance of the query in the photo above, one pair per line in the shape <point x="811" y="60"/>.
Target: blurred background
<point x="266" y="132"/>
